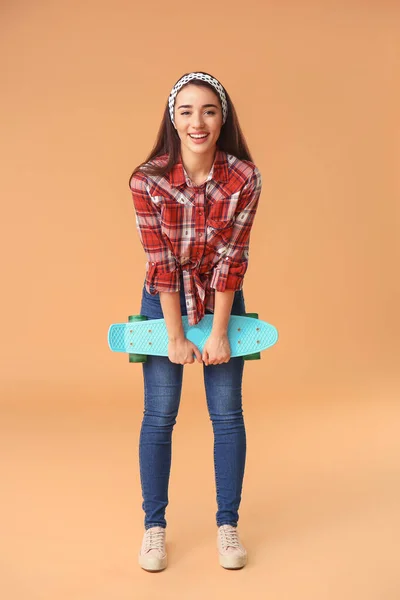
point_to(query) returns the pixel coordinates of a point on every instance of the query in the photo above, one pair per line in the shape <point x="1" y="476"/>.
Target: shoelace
<point x="154" y="540"/>
<point x="229" y="537"/>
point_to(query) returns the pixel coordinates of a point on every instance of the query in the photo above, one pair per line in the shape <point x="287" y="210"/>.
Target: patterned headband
<point x="185" y="79"/>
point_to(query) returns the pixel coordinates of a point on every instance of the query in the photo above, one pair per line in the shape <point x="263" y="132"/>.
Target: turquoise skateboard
<point x="247" y="336"/>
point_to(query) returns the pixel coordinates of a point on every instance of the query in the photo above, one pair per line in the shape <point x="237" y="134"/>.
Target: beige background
<point x="317" y="90"/>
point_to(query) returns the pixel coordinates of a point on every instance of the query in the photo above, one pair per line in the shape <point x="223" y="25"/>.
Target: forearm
<point x="171" y="307"/>
<point x="222" y="311"/>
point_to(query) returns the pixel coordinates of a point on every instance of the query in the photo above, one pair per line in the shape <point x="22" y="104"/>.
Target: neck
<point x="197" y="166"/>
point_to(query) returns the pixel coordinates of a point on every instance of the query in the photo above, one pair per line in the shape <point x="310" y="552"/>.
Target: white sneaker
<point x="152" y="555"/>
<point x="232" y="553"/>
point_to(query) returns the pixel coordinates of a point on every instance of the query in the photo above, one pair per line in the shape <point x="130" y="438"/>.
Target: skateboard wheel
<point x="251" y="315"/>
<point x="255" y="356"/>
<point x="137" y="318"/>
<point x="137" y="358"/>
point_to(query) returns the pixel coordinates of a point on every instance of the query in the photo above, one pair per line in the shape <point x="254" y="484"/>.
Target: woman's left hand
<point x="216" y="349"/>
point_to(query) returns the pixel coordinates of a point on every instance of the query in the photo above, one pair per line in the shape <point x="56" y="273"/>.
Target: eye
<point x="186" y="112"/>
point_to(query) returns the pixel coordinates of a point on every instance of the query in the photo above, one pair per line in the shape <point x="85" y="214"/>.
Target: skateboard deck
<point x="246" y="335"/>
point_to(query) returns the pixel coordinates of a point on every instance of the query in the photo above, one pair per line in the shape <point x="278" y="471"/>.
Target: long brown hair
<point x="231" y="138"/>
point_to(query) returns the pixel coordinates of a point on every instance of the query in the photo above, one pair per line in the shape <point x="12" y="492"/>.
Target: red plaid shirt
<point x="201" y="230"/>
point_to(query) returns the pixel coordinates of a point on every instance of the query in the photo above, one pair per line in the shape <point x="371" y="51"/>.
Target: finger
<point x="205" y="357"/>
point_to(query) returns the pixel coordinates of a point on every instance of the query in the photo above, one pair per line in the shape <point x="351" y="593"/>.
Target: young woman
<point x="195" y="199"/>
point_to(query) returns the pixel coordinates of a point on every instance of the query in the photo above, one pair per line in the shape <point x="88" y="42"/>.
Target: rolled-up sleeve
<point x="229" y="271"/>
<point x="162" y="267"/>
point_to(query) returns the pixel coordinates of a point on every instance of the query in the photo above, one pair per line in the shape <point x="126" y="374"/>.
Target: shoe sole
<point x="232" y="562"/>
<point x="152" y="564"/>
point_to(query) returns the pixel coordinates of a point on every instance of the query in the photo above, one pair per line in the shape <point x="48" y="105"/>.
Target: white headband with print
<point x="185" y="79"/>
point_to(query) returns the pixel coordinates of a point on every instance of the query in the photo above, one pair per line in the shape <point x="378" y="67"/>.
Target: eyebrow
<point x="191" y="106"/>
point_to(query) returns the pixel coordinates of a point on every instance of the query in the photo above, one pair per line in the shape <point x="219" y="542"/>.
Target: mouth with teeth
<point x="198" y="138"/>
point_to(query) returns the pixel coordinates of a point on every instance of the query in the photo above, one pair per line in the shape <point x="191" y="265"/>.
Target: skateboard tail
<point x="116" y="337"/>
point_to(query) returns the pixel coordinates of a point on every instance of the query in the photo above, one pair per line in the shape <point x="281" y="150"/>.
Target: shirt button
<point x="200" y="213"/>
<point x="200" y="234"/>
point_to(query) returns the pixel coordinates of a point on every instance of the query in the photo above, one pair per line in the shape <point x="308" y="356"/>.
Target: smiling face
<point x="198" y="111"/>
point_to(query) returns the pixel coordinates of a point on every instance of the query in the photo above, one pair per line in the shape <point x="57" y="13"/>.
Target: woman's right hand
<point x="181" y="351"/>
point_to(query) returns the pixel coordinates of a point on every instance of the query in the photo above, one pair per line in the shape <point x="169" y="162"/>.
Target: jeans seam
<point x="216" y="474"/>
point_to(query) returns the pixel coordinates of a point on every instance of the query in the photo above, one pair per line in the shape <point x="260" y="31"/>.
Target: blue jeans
<point x="162" y="393"/>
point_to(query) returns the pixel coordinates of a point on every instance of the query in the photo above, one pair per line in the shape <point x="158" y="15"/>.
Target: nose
<point x="197" y="119"/>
